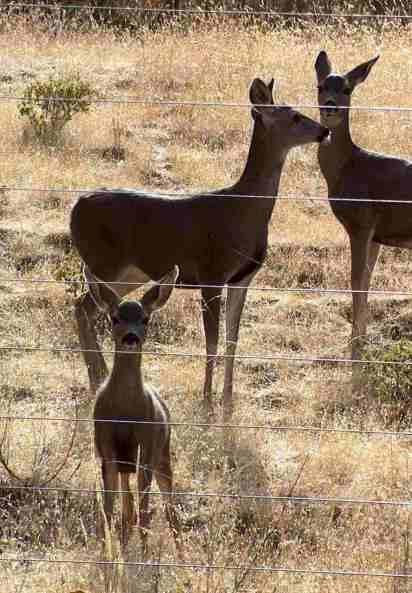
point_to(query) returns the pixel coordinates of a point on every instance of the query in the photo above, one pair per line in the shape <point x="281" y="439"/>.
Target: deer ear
<point x="360" y="73"/>
<point x="108" y="298"/>
<point x="157" y="296"/>
<point x="323" y="66"/>
<point x="104" y="296"/>
<point x="260" y="93"/>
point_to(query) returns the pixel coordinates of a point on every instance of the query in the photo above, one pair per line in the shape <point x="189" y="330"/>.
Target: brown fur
<point x="130" y="416"/>
<point x="352" y="172"/>
<point x="217" y="239"/>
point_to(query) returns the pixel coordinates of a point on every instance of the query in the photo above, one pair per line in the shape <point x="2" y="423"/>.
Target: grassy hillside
<point x="186" y="148"/>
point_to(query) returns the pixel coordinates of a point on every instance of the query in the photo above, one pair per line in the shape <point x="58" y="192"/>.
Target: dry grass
<point x="187" y="148"/>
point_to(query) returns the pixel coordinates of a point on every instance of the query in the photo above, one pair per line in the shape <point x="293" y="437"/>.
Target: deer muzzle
<point x="131" y="339"/>
<point x="330" y="108"/>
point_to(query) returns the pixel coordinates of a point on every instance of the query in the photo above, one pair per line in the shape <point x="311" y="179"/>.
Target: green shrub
<point x="390" y="382"/>
<point x="51" y="104"/>
<point x="68" y="269"/>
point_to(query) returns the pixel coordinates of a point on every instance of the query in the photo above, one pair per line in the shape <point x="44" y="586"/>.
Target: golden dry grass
<point x="202" y="148"/>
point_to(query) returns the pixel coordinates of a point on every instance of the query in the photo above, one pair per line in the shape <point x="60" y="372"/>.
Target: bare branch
<point x="59" y="468"/>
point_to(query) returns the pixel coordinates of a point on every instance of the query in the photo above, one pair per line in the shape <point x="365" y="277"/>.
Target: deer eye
<point x="296" y="118"/>
<point x="346" y="91"/>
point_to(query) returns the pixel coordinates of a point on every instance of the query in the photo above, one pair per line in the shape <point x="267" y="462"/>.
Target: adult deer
<point x="144" y="418"/>
<point x="352" y="172"/>
<point x="216" y="239"/>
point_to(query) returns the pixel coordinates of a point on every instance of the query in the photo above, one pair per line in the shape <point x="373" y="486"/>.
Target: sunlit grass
<point x="204" y="147"/>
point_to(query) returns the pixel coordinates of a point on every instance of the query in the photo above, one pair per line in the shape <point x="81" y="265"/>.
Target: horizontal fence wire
<point x="332" y="291"/>
<point x="292" y="500"/>
<point x="316" y="430"/>
<point x="211" y="104"/>
<point x="278" y="357"/>
<point x="215" y="567"/>
<point x="345" y="200"/>
<point x="198" y="12"/>
<point x="206" y="425"/>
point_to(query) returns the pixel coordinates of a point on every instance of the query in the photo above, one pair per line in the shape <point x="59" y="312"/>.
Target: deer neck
<point x="127" y="372"/>
<point x="336" y="153"/>
<point x="263" y="168"/>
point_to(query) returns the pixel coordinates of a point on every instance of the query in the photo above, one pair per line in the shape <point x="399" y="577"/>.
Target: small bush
<point x="390" y="382"/>
<point x="51" y="104"/>
<point x="67" y="269"/>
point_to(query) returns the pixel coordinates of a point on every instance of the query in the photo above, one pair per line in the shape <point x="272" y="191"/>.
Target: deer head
<point x="283" y="122"/>
<point x="335" y="90"/>
<point x="130" y="319"/>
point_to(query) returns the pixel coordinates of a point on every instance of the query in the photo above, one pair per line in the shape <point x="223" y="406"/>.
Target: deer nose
<point x="130" y="338"/>
<point x="330" y="106"/>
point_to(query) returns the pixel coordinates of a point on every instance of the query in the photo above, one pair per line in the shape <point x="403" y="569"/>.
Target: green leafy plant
<point x="390" y="382"/>
<point x="68" y="270"/>
<point x="49" y="105"/>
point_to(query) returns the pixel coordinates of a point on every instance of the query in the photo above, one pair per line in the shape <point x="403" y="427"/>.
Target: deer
<point x="217" y="238"/>
<point x="129" y="415"/>
<point x="354" y="173"/>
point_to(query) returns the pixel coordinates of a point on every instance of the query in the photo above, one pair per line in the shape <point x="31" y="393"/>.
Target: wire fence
<point x="206" y="425"/>
<point x="198" y="566"/>
<point x="296" y="500"/>
<point x="259" y="356"/>
<point x="204" y="104"/>
<point x="293" y="359"/>
<point x="263" y="289"/>
<point x="199" y="12"/>
<point x="349" y="199"/>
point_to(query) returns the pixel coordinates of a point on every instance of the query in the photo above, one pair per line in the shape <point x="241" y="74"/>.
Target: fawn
<point x="129" y="414"/>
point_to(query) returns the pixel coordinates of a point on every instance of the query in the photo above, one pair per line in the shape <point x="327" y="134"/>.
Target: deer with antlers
<point x="354" y="173"/>
<point x="129" y="414"/>
<point x="217" y="239"/>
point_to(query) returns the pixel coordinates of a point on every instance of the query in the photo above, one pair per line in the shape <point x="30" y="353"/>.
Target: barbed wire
<point x="218" y="12"/>
<point x="234" y="567"/>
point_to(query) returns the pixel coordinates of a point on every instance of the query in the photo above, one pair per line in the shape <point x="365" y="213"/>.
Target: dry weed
<point x="203" y="147"/>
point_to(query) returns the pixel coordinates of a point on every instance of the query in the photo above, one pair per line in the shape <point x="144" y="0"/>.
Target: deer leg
<point x="164" y="478"/>
<point x="374" y="250"/>
<point x="110" y="486"/>
<point x="128" y="511"/>
<point x="211" y="299"/>
<point x="86" y="312"/>
<point x="364" y="256"/>
<point x="236" y="296"/>
<point x="144" y="482"/>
